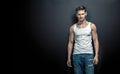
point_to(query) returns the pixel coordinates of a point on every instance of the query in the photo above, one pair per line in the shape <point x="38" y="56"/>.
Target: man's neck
<point x="82" y="22"/>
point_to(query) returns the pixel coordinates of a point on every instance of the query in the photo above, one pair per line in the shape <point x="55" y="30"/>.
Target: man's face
<point x="81" y="15"/>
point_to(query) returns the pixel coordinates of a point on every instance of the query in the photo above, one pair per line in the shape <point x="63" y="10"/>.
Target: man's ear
<point x="86" y="13"/>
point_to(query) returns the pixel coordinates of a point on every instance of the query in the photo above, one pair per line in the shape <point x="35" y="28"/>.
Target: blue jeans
<point x="83" y="63"/>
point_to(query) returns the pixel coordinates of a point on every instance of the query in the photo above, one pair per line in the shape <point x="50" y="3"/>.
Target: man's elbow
<point x="95" y="40"/>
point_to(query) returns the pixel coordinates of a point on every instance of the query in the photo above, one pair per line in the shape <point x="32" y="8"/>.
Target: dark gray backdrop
<point x="40" y="34"/>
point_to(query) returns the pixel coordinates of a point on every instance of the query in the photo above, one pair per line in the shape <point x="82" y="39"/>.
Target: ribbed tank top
<point x="83" y="41"/>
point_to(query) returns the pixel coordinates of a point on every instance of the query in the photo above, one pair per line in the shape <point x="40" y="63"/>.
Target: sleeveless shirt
<point x="83" y="41"/>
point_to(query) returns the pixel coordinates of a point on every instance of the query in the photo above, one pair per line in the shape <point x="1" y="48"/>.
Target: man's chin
<point x="81" y="20"/>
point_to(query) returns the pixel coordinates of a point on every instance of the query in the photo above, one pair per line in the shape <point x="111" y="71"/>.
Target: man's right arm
<point x="70" y="45"/>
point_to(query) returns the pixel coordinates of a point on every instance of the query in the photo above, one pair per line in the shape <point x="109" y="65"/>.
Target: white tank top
<point x="83" y="41"/>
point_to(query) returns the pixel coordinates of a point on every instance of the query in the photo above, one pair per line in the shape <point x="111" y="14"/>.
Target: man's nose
<point x="80" y="15"/>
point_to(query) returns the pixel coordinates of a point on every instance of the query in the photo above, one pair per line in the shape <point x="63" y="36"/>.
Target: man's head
<point x="81" y="13"/>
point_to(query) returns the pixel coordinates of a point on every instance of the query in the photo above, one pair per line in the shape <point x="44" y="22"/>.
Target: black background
<point x="40" y="30"/>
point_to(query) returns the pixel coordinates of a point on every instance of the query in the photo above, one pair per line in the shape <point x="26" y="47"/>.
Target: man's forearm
<point x="69" y="50"/>
<point x="96" y="47"/>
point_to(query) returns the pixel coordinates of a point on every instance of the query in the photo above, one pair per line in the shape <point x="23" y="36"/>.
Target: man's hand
<point x="95" y="60"/>
<point x="69" y="63"/>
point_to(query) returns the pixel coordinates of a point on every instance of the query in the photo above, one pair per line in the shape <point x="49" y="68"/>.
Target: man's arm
<point x="70" y="45"/>
<point x="96" y="42"/>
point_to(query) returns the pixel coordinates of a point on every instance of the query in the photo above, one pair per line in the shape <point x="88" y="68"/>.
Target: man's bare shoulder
<point x="93" y="25"/>
<point x="72" y="27"/>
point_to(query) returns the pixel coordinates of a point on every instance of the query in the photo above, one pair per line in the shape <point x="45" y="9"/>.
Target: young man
<point x="81" y="36"/>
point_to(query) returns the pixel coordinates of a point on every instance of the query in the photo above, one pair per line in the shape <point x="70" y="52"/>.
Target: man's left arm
<point x="96" y="42"/>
